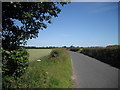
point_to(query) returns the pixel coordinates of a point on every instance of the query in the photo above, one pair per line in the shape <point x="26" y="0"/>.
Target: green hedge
<point x="15" y="62"/>
<point x="107" y="55"/>
<point x="74" y="49"/>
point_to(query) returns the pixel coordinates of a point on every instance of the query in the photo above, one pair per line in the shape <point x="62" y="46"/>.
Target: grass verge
<point x="53" y="71"/>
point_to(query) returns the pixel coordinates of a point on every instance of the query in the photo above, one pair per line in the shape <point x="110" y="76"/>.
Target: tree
<point x="64" y="47"/>
<point x="71" y="46"/>
<point x="33" y="16"/>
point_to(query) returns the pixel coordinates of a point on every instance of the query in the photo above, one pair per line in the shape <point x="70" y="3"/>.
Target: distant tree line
<point x="52" y="47"/>
<point x="33" y="47"/>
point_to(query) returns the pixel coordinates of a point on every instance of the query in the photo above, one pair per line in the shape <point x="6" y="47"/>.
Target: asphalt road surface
<point x="91" y="73"/>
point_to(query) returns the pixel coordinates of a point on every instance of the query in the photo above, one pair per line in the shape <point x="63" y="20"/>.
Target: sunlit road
<point x="91" y="73"/>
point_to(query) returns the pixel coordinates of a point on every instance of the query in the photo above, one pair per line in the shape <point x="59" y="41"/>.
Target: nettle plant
<point x="15" y="62"/>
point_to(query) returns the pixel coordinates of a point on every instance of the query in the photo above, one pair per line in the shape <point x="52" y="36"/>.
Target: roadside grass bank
<point x="35" y="54"/>
<point x="53" y="71"/>
<point x="107" y="54"/>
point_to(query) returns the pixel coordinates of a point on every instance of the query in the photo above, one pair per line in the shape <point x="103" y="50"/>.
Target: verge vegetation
<point x="53" y="71"/>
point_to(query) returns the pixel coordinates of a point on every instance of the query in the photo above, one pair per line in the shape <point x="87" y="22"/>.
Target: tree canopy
<point x="33" y="16"/>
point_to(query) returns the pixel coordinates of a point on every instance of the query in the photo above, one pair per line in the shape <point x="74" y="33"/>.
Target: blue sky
<point x="82" y="24"/>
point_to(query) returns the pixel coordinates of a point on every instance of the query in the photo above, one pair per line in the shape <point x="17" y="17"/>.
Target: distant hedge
<point x="109" y="55"/>
<point x="74" y="49"/>
<point x="39" y="47"/>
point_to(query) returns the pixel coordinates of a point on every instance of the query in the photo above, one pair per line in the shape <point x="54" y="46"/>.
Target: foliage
<point x="33" y="16"/>
<point x="47" y="73"/>
<point x="74" y="49"/>
<point x="113" y="46"/>
<point x="14" y="62"/>
<point x="108" y="55"/>
<point x="55" y="53"/>
<point x="6" y="83"/>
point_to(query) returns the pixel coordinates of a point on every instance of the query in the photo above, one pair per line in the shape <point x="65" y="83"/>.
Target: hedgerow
<point x="15" y="62"/>
<point x="106" y="55"/>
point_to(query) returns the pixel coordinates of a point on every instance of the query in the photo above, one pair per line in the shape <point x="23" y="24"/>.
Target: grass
<point x="53" y="71"/>
<point x="35" y="54"/>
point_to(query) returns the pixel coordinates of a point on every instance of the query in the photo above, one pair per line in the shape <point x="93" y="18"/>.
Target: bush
<point x="7" y="82"/>
<point x="14" y="62"/>
<point x="55" y="53"/>
<point x="75" y="49"/>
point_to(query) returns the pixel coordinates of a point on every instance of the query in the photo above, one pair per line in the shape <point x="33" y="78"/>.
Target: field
<point x="53" y="71"/>
<point x="35" y="54"/>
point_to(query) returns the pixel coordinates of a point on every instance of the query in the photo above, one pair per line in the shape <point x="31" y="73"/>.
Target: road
<point x="91" y="73"/>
